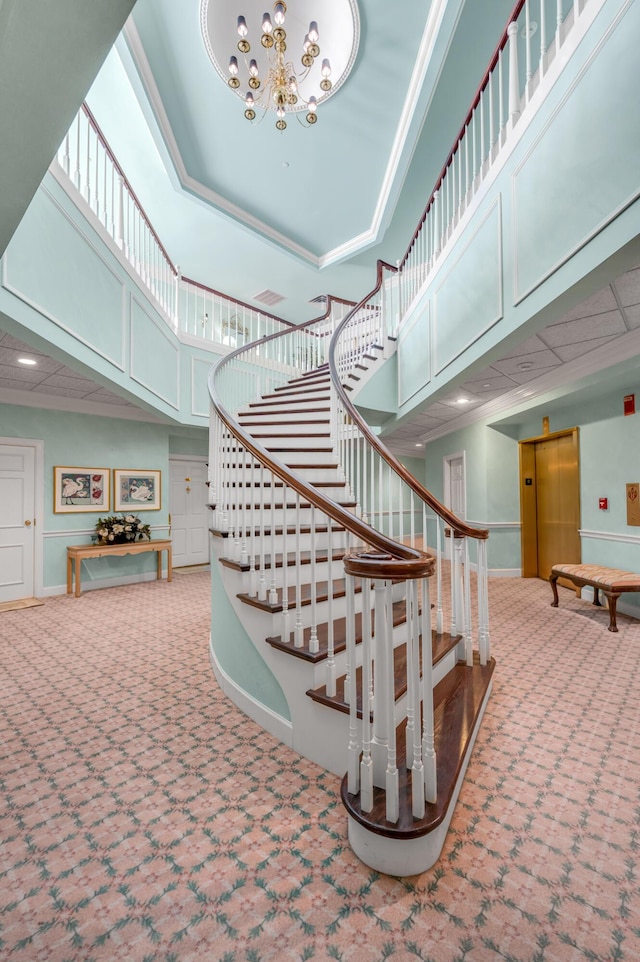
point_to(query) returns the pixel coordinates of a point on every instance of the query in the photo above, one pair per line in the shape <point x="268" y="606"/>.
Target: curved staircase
<point x="318" y="535"/>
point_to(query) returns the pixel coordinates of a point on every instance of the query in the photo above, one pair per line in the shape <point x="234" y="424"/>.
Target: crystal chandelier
<point x="279" y="90"/>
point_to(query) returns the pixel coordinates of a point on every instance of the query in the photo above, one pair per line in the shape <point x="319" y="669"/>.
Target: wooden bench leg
<point x="553" y="579"/>
<point x="596" y="597"/>
<point x="612" y="598"/>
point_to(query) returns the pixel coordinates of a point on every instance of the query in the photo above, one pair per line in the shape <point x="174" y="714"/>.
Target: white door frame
<point x="38" y="497"/>
<point x="446" y="479"/>
<point x="182" y="457"/>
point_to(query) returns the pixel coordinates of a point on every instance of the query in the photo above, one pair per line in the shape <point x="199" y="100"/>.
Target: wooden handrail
<point x="474" y="103"/>
<point x="234" y="300"/>
<point x="460" y="527"/>
<point x="103" y="140"/>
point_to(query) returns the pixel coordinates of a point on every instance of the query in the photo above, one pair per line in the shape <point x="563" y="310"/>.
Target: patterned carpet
<point x="143" y="818"/>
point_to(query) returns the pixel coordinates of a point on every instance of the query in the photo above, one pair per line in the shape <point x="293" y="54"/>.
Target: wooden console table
<point x="80" y="552"/>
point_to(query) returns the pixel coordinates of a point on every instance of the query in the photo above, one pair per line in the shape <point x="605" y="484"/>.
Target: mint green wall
<point x="86" y="441"/>
<point x="64" y="290"/>
<point x="190" y="443"/>
<point x="491" y="462"/>
<point x="565" y="202"/>
<point x="609" y="460"/>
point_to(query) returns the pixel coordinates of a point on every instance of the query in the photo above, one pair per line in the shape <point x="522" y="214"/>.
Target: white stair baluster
<point x="428" y="737"/>
<point x="331" y="661"/>
<point x="314" y="646"/>
<point x="467" y="605"/>
<point x="391" y="775"/>
<point x="414" y="740"/>
<point x="353" y="751"/>
<point x="262" y="580"/>
<point x="285" y="565"/>
<point x="514" y="84"/>
<point x="298" y="631"/>
<point x="366" y="765"/>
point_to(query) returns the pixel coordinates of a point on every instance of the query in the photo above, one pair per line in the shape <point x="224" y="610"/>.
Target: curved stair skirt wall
<point x="281" y="728"/>
<point x="412" y="856"/>
<point x="317" y="733"/>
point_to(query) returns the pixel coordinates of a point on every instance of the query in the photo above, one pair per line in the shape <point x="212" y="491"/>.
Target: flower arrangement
<point x="118" y="529"/>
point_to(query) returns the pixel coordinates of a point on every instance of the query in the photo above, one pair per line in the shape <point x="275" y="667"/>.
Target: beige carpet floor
<point x="144" y="818"/>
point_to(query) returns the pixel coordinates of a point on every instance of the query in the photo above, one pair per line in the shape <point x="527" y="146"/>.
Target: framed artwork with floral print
<point x="81" y="489"/>
<point x="137" y="490"/>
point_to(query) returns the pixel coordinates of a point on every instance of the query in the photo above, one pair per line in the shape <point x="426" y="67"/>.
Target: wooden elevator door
<point x="550" y="488"/>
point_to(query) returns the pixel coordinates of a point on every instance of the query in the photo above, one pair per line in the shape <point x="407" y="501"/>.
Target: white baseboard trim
<point x="95" y="583"/>
<point x="281" y="728"/>
<point x="504" y="572"/>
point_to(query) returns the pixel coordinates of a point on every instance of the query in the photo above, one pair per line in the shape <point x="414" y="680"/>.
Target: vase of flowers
<point x="119" y="529"/>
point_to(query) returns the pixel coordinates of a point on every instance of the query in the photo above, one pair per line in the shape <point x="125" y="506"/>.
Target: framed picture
<point x="137" y="490"/>
<point x="81" y="489"/>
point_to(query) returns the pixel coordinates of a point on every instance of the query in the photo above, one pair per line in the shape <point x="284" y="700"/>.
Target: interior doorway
<point x="455" y="484"/>
<point x="189" y="511"/>
<point x="550" y="502"/>
<point x="21" y="501"/>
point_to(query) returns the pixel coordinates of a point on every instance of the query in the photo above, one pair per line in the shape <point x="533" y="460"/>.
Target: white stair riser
<point x="255" y="495"/>
<point x="245" y="520"/>
<point x="250" y="418"/>
<point x="309" y="442"/>
<point x="339" y="540"/>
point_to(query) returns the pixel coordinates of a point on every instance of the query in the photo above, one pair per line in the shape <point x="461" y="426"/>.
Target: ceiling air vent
<point x="268" y="297"/>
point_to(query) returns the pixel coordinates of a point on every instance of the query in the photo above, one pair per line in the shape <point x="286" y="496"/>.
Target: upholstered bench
<point x="612" y="582"/>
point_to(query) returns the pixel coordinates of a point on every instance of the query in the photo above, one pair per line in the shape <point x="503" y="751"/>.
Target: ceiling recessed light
<point x="418" y="444"/>
<point x="26" y="360"/>
<point x="525" y="365"/>
<point x="486" y="385"/>
<point x="463" y="400"/>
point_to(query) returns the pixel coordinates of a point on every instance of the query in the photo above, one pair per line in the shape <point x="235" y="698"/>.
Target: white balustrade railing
<point x="390" y="499"/>
<point x="189" y="307"/>
<point x="218" y="318"/>
<point x="536" y="32"/>
<point x="89" y="163"/>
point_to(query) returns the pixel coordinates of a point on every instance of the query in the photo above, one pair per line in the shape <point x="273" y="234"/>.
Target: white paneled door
<point x="17" y="521"/>
<point x="189" y="512"/>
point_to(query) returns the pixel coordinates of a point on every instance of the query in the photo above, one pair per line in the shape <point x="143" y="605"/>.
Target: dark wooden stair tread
<point x="305" y="559"/>
<point x="440" y="646"/>
<point x="339" y="635"/>
<point x="457" y="702"/>
<point x="266" y="532"/>
<point x="322" y="594"/>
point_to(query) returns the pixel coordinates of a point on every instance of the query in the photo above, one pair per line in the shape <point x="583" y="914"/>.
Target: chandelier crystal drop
<point x="279" y="90"/>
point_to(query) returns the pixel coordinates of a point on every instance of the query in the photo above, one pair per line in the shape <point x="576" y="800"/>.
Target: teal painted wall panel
<point x="584" y="166"/>
<point x="198" y="401"/>
<point x="468" y="297"/>
<point x="155" y="361"/>
<point x="52" y="264"/>
<point x="414" y="354"/>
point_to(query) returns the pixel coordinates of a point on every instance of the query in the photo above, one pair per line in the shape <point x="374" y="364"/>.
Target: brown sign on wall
<point x="633" y="504"/>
